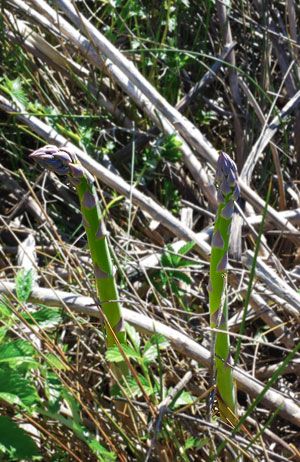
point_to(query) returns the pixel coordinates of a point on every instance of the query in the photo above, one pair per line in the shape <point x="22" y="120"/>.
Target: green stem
<point x="222" y="373"/>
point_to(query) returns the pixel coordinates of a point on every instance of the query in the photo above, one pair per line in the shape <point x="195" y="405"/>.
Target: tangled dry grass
<point x="147" y="94"/>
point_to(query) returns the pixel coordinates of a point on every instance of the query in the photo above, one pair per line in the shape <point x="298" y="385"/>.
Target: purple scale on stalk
<point x="88" y="200"/>
<point x="222" y="265"/>
<point x="209" y="286"/>
<point x="228" y="362"/>
<point x="214" y="319"/>
<point x="231" y="178"/>
<point x="225" y="187"/>
<point x="217" y="240"/>
<point x="75" y="181"/>
<point x="85" y="223"/>
<point x="100" y="233"/>
<point x="99" y="274"/>
<point x="77" y="170"/>
<point x="220" y="196"/>
<point x="227" y="211"/>
<point x="218" y="318"/>
<point x="120" y="326"/>
<point x="236" y="193"/>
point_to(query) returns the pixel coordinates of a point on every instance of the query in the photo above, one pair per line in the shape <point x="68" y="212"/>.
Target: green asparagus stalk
<point x="228" y="192"/>
<point x="63" y="161"/>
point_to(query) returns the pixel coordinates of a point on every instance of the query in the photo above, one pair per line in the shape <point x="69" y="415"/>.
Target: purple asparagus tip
<point x="227" y="177"/>
<point x="53" y="158"/>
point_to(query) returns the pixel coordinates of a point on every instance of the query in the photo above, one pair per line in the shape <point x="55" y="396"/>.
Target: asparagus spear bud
<point x="228" y="192"/>
<point x="63" y="162"/>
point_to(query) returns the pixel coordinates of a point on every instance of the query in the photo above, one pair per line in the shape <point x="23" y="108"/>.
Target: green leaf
<point x="156" y="342"/>
<point x="16" y="389"/>
<point x="158" y="339"/>
<point x="186" y="248"/>
<point x="55" y="361"/>
<point x="184" y="399"/>
<point x="17" y="93"/>
<point x="135" y="390"/>
<point x="114" y="355"/>
<point x="24" y="282"/>
<point x="151" y="353"/>
<point x="17" y="352"/>
<point x="3" y="332"/>
<point x="15" y="441"/>
<point x="103" y="454"/>
<point x="45" y="317"/>
<point x="195" y="443"/>
<point x="167" y="260"/>
<point x="183" y="277"/>
<point x="133" y="335"/>
<point x="5" y="311"/>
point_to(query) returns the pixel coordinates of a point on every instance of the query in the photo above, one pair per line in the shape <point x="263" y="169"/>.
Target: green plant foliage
<point x="17" y="352"/>
<point x="103" y="454"/>
<point x="45" y="317"/>
<point x="15" y="89"/>
<point x="173" y="265"/>
<point x="16" y="389"/>
<point x="14" y="442"/>
<point x="146" y="357"/>
<point x="24" y="281"/>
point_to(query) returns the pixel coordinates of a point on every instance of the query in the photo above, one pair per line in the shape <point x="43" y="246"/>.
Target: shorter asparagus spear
<point x="228" y="192"/>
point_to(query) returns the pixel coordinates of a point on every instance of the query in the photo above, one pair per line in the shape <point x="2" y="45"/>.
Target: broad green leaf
<point x="133" y="335"/>
<point x="186" y="248"/>
<point x="150" y="353"/>
<point x="135" y="390"/>
<point x="24" y="282"/>
<point x="17" y="352"/>
<point x="3" y="332"/>
<point x="114" y="355"/>
<point x="5" y="311"/>
<point x="16" y="441"/>
<point x="167" y="260"/>
<point x="54" y="391"/>
<point x="184" y="399"/>
<point x="183" y="277"/>
<point x="45" y="317"/>
<point x="15" y="388"/>
<point x="157" y="339"/>
<point x="196" y="443"/>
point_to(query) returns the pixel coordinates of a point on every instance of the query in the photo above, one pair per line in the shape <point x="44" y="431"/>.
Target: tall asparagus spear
<point x="63" y="161"/>
<point x="228" y="192"/>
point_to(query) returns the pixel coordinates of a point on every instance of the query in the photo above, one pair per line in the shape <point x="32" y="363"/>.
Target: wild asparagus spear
<point x="63" y="162"/>
<point x="228" y="192"/>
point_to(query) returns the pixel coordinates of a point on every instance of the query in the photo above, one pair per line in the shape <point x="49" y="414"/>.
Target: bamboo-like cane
<point x="228" y="192"/>
<point x="63" y="161"/>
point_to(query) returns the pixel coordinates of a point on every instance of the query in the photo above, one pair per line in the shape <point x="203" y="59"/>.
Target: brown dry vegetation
<point x="234" y="73"/>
